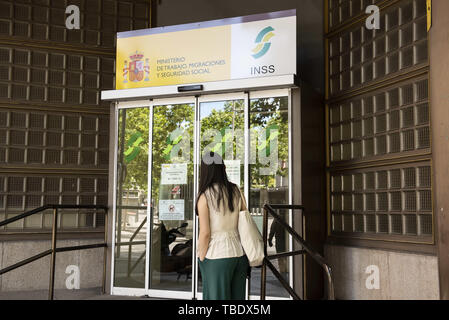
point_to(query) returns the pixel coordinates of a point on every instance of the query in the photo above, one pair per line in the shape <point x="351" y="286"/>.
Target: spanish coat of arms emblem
<point x="136" y="69"/>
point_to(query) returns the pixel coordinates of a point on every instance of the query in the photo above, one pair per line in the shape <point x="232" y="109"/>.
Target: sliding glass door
<point x="221" y="129"/>
<point x="269" y="179"/>
<point x="159" y="148"/>
<point x="131" y="197"/>
<point x="172" y="198"/>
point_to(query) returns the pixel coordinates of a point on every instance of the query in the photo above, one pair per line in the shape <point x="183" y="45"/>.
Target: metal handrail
<point x="54" y="249"/>
<point x="136" y="263"/>
<point x="306" y="249"/>
<point x="130" y="246"/>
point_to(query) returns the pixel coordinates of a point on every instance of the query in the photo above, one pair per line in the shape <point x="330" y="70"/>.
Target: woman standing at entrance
<point x="223" y="263"/>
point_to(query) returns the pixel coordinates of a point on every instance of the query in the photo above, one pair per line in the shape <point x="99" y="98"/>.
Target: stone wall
<point x="403" y="276"/>
<point x="35" y="276"/>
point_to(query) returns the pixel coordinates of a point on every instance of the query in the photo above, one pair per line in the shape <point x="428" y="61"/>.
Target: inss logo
<point x="262" y="41"/>
<point x="133" y="147"/>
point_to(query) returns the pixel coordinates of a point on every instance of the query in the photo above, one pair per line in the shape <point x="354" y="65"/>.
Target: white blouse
<point x="225" y="239"/>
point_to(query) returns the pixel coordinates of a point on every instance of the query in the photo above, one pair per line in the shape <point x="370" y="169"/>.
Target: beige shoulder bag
<point x="250" y="237"/>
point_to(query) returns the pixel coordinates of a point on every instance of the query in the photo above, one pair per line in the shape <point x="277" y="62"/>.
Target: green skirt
<point x="224" y="279"/>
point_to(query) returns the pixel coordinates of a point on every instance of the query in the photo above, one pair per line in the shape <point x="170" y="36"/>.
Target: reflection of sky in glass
<point x="208" y="107"/>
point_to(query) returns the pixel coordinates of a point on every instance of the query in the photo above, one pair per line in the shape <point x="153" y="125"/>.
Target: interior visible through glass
<point x="131" y="207"/>
<point x="269" y="176"/>
<point x="172" y="197"/>
<point x="222" y="131"/>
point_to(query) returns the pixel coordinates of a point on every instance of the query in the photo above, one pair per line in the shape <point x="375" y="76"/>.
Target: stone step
<point x="61" y="294"/>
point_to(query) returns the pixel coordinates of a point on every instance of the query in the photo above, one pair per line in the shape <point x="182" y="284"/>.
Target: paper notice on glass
<point x="233" y="171"/>
<point x="171" y="209"/>
<point x="175" y="173"/>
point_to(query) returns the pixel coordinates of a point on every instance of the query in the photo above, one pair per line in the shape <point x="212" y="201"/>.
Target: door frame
<point x="247" y="96"/>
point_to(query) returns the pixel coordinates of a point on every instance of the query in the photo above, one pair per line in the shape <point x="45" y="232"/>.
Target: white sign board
<point x="252" y="46"/>
<point x="233" y="171"/>
<point x="273" y="54"/>
<point x="175" y="173"/>
<point x="171" y="209"/>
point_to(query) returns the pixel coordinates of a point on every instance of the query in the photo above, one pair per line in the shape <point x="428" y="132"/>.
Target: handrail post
<point x="263" y="275"/>
<point x="103" y="286"/>
<point x="330" y="284"/>
<point x="53" y="254"/>
<point x="129" y="259"/>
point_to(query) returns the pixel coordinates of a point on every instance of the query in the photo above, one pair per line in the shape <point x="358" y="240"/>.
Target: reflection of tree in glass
<point x="167" y="119"/>
<point x="222" y="121"/>
<point x="135" y="169"/>
<point x="269" y="113"/>
<point x="264" y="113"/>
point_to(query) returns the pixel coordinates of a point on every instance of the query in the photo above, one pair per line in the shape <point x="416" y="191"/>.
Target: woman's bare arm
<point x="204" y="237"/>
<point x="243" y="206"/>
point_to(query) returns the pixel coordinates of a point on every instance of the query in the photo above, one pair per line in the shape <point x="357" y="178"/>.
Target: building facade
<point x="378" y="196"/>
<point x="54" y="136"/>
<point x="379" y="163"/>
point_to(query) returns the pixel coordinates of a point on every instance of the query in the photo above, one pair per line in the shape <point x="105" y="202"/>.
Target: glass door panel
<point x="132" y="188"/>
<point x="269" y="180"/>
<point x="222" y="123"/>
<point x="222" y="131"/>
<point x="172" y="196"/>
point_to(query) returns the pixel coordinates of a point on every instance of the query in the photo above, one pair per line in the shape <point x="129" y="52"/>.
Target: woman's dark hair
<point x="212" y="172"/>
